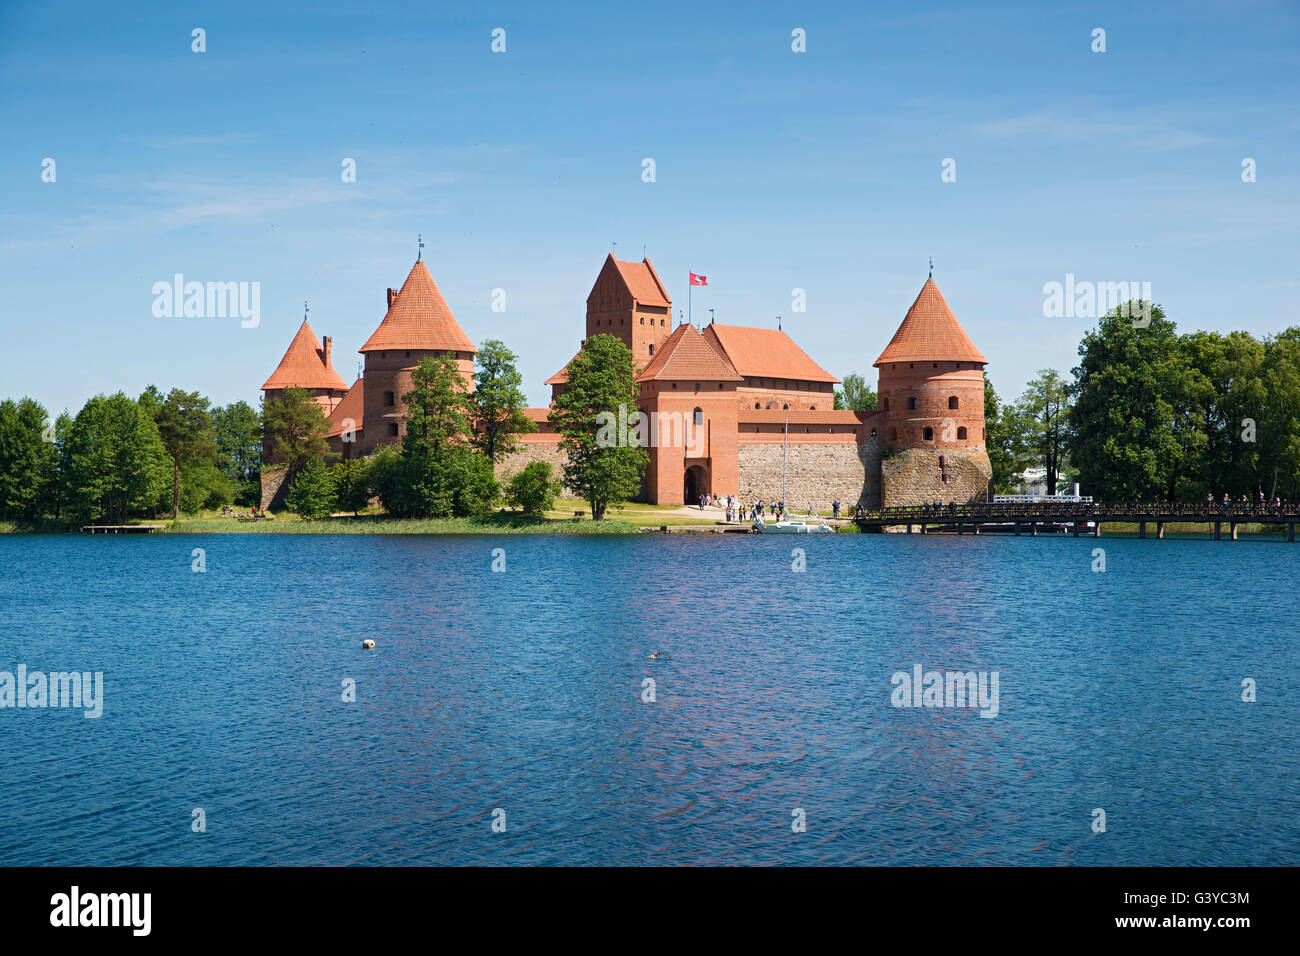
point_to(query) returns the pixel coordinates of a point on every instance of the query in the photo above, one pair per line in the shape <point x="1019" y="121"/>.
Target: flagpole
<point x="689" y="290"/>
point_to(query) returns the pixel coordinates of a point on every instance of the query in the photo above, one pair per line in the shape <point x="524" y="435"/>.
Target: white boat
<point x="793" y="526"/>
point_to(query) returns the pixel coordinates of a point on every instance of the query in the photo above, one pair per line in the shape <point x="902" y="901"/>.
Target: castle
<point x="751" y="404"/>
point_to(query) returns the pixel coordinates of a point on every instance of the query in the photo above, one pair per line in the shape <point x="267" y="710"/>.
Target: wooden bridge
<point x="1029" y="517"/>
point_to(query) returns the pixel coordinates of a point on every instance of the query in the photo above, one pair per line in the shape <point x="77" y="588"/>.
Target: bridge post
<point x="975" y="528"/>
<point x="922" y="529"/>
<point x="1290" y="531"/>
<point x="1142" y="529"/>
<point x="1017" y="529"/>
<point x="1033" y="529"/>
<point x="1160" y="531"/>
<point x="960" y="529"/>
<point x="1218" y="525"/>
<point x="909" y="528"/>
<point x="1232" y="527"/>
<point x="1096" y="529"/>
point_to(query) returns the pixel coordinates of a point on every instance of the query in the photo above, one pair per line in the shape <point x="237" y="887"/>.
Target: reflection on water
<point x="522" y="691"/>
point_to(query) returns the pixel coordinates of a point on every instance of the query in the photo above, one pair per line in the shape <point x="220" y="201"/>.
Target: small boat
<point x="793" y="526"/>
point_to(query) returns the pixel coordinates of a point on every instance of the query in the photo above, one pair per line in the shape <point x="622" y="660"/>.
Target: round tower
<point x="931" y="398"/>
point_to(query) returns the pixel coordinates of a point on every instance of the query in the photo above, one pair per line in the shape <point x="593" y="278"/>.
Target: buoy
<point x="368" y="644"/>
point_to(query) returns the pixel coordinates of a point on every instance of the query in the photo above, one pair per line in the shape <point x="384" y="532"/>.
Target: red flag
<point x="699" y="280"/>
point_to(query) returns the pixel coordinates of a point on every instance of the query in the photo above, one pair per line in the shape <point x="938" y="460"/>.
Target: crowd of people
<point x="1244" y="505"/>
<point x="736" y="511"/>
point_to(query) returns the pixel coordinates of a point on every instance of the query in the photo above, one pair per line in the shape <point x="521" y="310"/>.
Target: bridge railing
<point x="1084" y="511"/>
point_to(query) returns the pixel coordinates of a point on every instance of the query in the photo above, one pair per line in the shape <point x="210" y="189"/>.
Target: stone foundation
<point x="816" y="474"/>
<point x="913" y="477"/>
<point x="529" y="452"/>
<point x="274" y="487"/>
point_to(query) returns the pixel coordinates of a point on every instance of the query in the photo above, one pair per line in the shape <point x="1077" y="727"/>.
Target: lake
<point x="520" y="698"/>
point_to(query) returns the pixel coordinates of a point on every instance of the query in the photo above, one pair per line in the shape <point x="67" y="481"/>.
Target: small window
<point x="643" y="320"/>
<point x="812" y="408"/>
<point x="952" y="401"/>
<point x="886" y="406"/>
<point x="699" y="416"/>
<point x="911" y="404"/>
<point x="652" y="350"/>
<point x="785" y="408"/>
<point x="928" y="434"/>
<point x="961" y="432"/>
<point x="873" y="433"/>
<point x="388" y="399"/>
<point x="757" y="405"/>
<point x="392" y="428"/>
<point x="408" y="353"/>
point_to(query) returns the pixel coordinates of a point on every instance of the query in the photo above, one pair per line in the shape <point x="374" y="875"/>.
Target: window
<point x="785" y="408"/>
<point x="952" y="401"/>
<point x="758" y="405"/>
<point x="812" y="408"/>
<point x="699" y="416"/>
<point x="388" y="398"/>
<point x="392" y="428"/>
<point x="961" y="432"/>
<point x="652" y="350"/>
<point x="928" y="434"/>
<point x="911" y="404"/>
<point x="408" y="353"/>
<point x="643" y="320"/>
<point x="873" y="433"/>
<point x="886" y="405"/>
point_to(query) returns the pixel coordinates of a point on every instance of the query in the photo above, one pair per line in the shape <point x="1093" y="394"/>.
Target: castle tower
<point x="418" y="324"/>
<point x="629" y="301"/>
<point x="931" y="399"/>
<point x="306" y="364"/>
<point x="690" y="388"/>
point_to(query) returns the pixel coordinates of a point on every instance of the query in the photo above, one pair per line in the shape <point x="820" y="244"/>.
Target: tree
<point x="1279" y="426"/>
<point x="1124" y="438"/>
<point x="116" y="463"/>
<point x="238" y="434"/>
<point x="533" y="490"/>
<point x="442" y="474"/>
<point x="854" y="394"/>
<point x="499" y="401"/>
<point x="352" y="484"/>
<point x="312" y="494"/>
<point x="294" y="429"/>
<point x="601" y="378"/>
<point x="1006" y="439"/>
<point x="1045" y="407"/>
<point x="185" y="427"/>
<point x="28" y="462"/>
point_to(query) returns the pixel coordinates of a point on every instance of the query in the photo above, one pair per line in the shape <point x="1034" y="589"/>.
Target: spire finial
<point x="932" y="267"/>
<point x="778" y="323"/>
<point x="305" y="310"/>
<point x="419" y="237"/>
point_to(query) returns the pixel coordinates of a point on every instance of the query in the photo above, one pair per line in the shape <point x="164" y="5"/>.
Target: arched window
<point x="699" y="416"/>
<point x="643" y="320"/>
<point x="785" y="408"/>
<point x="388" y="398"/>
<point x="961" y="432"/>
<point x="911" y="404"/>
<point x="886" y="405"/>
<point x="758" y="405"/>
<point x="652" y="350"/>
<point x="928" y="434"/>
<point x="812" y="408"/>
<point x="952" y="401"/>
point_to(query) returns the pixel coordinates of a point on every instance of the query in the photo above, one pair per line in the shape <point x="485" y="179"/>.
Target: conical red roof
<point x="304" y="365"/>
<point x="419" y="318"/>
<point x="930" y="333"/>
<point x="688" y="355"/>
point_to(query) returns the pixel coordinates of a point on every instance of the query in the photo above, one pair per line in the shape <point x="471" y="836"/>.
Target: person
<point x="835" y="508"/>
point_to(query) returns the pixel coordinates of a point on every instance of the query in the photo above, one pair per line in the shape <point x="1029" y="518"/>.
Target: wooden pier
<point x="1031" y="518"/>
<point x="122" y="528"/>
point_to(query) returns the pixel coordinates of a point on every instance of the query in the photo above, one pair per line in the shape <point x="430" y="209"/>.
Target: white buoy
<point x="368" y="644"/>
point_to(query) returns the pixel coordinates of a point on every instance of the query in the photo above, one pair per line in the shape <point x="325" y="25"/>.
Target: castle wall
<point x="916" y="475"/>
<point x="545" y="448"/>
<point x="817" y="473"/>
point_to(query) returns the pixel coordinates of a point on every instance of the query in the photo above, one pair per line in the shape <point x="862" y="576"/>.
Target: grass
<point x="503" y="522"/>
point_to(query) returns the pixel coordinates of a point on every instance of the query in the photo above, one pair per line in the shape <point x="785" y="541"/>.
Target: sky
<point x="774" y="171"/>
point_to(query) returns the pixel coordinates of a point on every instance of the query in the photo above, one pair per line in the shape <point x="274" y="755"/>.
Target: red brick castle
<point x="732" y="405"/>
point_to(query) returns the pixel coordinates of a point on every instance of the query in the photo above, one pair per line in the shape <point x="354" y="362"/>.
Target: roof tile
<point x="930" y="333"/>
<point x="419" y="318"/>
<point x="304" y="365"/>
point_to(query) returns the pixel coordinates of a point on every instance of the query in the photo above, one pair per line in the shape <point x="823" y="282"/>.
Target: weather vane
<point x="305" y="310"/>
<point x="419" y="237"/>
<point x="932" y="267"/>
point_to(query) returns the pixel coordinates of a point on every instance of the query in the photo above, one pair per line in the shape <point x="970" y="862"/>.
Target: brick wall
<point x="913" y="476"/>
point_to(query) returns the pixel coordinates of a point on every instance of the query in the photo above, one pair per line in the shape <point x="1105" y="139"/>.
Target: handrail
<point x="1082" y="510"/>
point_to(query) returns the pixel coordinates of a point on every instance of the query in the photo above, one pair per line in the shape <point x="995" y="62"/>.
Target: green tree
<point x="238" y="434"/>
<point x="116" y="463"/>
<point x="185" y="426"/>
<point x="498" y="400"/>
<point x="1006" y="438"/>
<point x="533" y="490"/>
<point x="601" y="378"/>
<point x="312" y="494"/>
<point x="1278" y="428"/>
<point x="854" y="394"/>
<point x="352" y="484"/>
<point x="28" y="463"/>
<point x="294" y="429"/>
<point x="1124" y="436"/>
<point x="442" y="473"/>
<point x="1045" y="407"/>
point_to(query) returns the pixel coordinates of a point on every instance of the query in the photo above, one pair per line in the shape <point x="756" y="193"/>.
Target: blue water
<point x="522" y="691"/>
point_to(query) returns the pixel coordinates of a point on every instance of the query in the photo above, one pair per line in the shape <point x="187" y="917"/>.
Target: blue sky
<point x="775" y="170"/>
